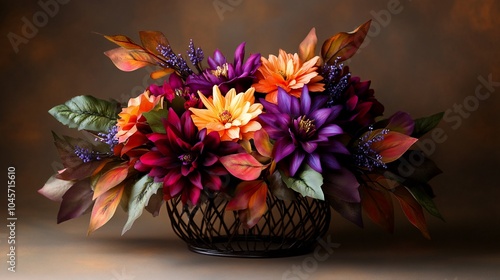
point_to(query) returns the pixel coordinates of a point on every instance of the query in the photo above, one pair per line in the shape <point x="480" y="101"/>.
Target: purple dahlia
<point x="303" y="131"/>
<point x="238" y="75"/>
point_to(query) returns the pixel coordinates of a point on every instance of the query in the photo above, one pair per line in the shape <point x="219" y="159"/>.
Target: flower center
<point x="306" y="126"/>
<point x="187" y="158"/>
<point x="282" y="73"/>
<point x="225" y="116"/>
<point x="221" y="71"/>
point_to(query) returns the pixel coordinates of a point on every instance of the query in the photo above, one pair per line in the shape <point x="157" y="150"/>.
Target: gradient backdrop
<point x="422" y="56"/>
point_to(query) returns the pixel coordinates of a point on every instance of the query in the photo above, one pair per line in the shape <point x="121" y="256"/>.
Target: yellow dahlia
<point x="288" y="72"/>
<point x="232" y="116"/>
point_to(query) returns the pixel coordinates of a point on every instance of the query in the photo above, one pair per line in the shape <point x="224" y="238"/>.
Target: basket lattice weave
<point x="288" y="228"/>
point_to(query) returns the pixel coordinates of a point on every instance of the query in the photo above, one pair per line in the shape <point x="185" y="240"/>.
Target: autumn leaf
<point x="105" y="207"/>
<point x="152" y="39"/>
<point x="393" y="146"/>
<point x="76" y="201"/>
<point x="412" y="210"/>
<point x="130" y="60"/>
<point x="263" y="143"/>
<point x="250" y="200"/>
<point x="55" y="188"/>
<point x="243" y="166"/>
<point x="344" y="45"/>
<point x="110" y="179"/>
<point x="377" y="204"/>
<point x="123" y="41"/>
<point x="308" y="46"/>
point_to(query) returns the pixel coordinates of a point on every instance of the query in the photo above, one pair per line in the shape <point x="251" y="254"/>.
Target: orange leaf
<point x="250" y="198"/>
<point x="161" y="73"/>
<point x="344" y="45"/>
<point x="263" y="143"/>
<point x="123" y="41"/>
<point x="393" y="146"/>
<point x="110" y="179"/>
<point x="377" y="204"/>
<point x="412" y="210"/>
<point x="130" y="60"/>
<point x="105" y="207"/>
<point x="243" y="166"/>
<point x="308" y="46"/>
<point x="151" y="39"/>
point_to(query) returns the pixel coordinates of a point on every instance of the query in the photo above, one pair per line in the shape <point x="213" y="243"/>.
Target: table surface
<point x="150" y="250"/>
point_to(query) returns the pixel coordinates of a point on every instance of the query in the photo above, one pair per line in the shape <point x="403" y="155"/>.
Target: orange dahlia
<point x="288" y="72"/>
<point x="131" y="116"/>
<point x="232" y="116"/>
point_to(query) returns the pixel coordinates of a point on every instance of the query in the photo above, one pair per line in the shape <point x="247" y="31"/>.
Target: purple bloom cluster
<point x="303" y="130"/>
<point x="226" y="75"/>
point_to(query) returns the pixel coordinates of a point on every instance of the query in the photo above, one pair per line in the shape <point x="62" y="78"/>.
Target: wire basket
<point x="288" y="228"/>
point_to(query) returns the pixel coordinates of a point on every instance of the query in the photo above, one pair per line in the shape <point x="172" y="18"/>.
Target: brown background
<point x="422" y="60"/>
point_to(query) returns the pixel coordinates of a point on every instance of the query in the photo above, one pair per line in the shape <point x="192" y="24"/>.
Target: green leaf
<point x="154" y="119"/>
<point x="141" y="192"/>
<point x="86" y="112"/>
<point x="425" y="201"/>
<point x="279" y="188"/>
<point x="424" y="125"/>
<point x="308" y="184"/>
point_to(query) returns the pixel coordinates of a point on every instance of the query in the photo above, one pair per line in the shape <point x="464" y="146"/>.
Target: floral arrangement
<point x="288" y="125"/>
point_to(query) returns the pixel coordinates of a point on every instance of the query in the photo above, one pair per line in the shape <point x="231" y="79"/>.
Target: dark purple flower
<point x="185" y="161"/>
<point x="359" y="105"/>
<point x="175" y="87"/>
<point x="303" y="131"/>
<point x="238" y="75"/>
<point x="171" y="88"/>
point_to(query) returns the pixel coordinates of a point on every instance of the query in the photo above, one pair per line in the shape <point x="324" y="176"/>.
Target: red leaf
<point x="243" y="166"/>
<point x="344" y="45"/>
<point x="110" y="179"/>
<point x="377" y="204"/>
<point x="263" y="143"/>
<point x="250" y="198"/>
<point x="412" y="210"/>
<point x="105" y="207"/>
<point x="393" y="146"/>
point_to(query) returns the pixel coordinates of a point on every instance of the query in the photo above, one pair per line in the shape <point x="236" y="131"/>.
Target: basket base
<point x="245" y="247"/>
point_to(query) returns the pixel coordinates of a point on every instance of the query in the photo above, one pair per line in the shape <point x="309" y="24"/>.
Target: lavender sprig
<point x="174" y="61"/>
<point x="195" y="55"/>
<point x="335" y="81"/>
<point x="364" y="155"/>
<point x="87" y="155"/>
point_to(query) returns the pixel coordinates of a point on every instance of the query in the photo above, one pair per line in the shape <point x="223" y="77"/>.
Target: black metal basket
<point x="288" y="228"/>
